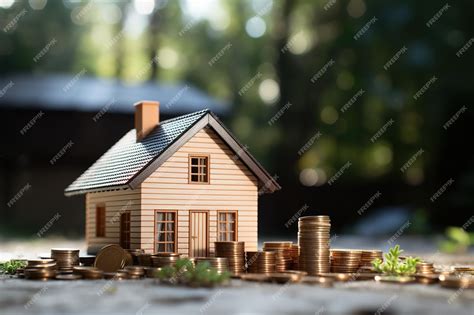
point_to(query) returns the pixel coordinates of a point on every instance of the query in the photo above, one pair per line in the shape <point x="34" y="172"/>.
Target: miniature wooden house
<point x="173" y="186"/>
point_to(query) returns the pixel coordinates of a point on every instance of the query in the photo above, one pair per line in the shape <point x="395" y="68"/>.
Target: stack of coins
<point x="368" y="256"/>
<point x="345" y="260"/>
<point x="283" y="254"/>
<point x="313" y="241"/>
<point x="164" y="259"/>
<point x="151" y="272"/>
<point x="295" y="256"/>
<point x="91" y="273"/>
<point x="457" y="282"/>
<point x="235" y="254"/>
<point x="464" y="270"/>
<point x="221" y="264"/>
<point x="135" y="253"/>
<point x="135" y="272"/>
<point x="144" y="260"/>
<point x="111" y="258"/>
<point x="65" y="258"/>
<point x="118" y="275"/>
<point x="261" y="262"/>
<point x="40" y="269"/>
<point x="425" y="268"/>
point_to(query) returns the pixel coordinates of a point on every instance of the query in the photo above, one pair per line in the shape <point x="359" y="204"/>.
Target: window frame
<point x="155" y="233"/>
<point x="208" y="168"/>
<point x="236" y="224"/>
<point x="100" y="218"/>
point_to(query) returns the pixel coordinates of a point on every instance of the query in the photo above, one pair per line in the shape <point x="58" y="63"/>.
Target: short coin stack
<point x="295" y="256"/>
<point x="313" y="241"/>
<point x="457" y="282"/>
<point x="368" y="256"/>
<point x="261" y="262"/>
<point x="345" y="260"/>
<point x="283" y="258"/>
<point x="91" y="273"/>
<point x="135" y="253"/>
<point x="164" y="259"/>
<point x="221" y="264"/>
<point x="235" y="254"/>
<point x="118" y="275"/>
<point x="135" y="272"/>
<point x="40" y="269"/>
<point x="425" y="268"/>
<point x="65" y="258"/>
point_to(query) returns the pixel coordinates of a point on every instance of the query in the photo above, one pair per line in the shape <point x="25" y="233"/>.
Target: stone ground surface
<point x="18" y="296"/>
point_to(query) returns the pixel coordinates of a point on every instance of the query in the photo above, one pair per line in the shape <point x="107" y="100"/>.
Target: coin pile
<point x="40" y="269"/>
<point x="295" y="256"/>
<point x="65" y="258"/>
<point x="235" y="254"/>
<point x="135" y="253"/>
<point x="313" y="241"/>
<point x="135" y="272"/>
<point x="261" y="262"/>
<point x="457" y="282"/>
<point x="118" y="275"/>
<point x="345" y="260"/>
<point x="221" y="264"/>
<point x="425" y="268"/>
<point x="464" y="269"/>
<point x="111" y="258"/>
<point x="164" y="259"/>
<point x="282" y="251"/>
<point x="368" y="256"/>
<point x="144" y="260"/>
<point x="91" y="273"/>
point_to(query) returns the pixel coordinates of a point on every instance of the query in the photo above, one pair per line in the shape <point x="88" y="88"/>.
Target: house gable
<point x="232" y="187"/>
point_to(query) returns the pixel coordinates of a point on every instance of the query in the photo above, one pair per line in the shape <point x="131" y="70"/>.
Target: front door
<point x="198" y="233"/>
<point x="125" y="230"/>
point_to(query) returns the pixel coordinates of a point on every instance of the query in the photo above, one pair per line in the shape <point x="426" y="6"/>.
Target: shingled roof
<point x="127" y="163"/>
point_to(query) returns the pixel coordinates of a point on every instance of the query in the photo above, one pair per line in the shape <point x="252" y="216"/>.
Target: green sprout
<point x="10" y="267"/>
<point x="393" y="265"/>
<point x="184" y="272"/>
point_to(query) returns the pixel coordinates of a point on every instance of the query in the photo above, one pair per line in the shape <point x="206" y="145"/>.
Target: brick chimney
<point x="147" y="117"/>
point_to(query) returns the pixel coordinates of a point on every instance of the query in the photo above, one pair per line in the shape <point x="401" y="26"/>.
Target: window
<point x="227" y="226"/>
<point x="125" y="230"/>
<point x="100" y="221"/>
<point x="198" y="169"/>
<point x="165" y="236"/>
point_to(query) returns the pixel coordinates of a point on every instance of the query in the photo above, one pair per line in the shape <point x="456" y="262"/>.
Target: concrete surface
<point x="19" y="296"/>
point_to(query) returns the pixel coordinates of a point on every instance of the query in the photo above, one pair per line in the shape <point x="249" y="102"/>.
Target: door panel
<point x="125" y="230"/>
<point x="198" y="233"/>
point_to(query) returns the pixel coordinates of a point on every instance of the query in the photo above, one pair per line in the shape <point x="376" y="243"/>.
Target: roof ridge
<point x="206" y="110"/>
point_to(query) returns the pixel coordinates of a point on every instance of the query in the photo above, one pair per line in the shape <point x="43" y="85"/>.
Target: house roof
<point x="128" y="163"/>
<point x="82" y="92"/>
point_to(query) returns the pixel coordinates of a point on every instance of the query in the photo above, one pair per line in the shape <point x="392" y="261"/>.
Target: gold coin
<point x="110" y="258"/>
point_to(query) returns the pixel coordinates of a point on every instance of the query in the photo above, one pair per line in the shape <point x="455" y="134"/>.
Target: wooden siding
<point x="232" y="187"/>
<point x="115" y="202"/>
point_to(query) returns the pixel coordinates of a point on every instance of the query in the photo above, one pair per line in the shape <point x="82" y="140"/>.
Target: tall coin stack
<point x="345" y="260"/>
<point x="261" y="262"/>
<point x="313" y="240"/>
<point x="235" y="254"/>
<point x="65" y="258"/>
<point x="221" y="264"/>
<point x="368" y="256"/>
<point x="282" y="254"/>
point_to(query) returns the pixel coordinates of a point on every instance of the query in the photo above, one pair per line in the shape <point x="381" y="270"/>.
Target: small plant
<point x="184" y="272"/>
<point x="393" y="265"/>
<point x="10" y="267"/>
